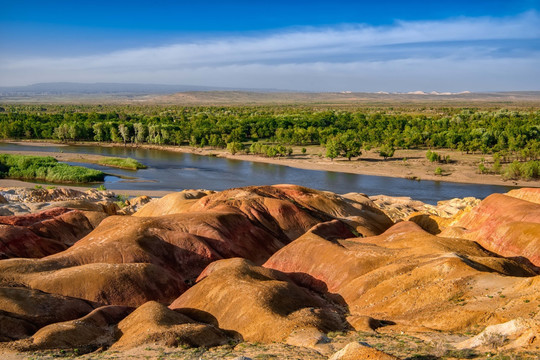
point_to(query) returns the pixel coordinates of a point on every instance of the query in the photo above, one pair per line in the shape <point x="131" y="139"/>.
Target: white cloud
<point x="455" y="54"/>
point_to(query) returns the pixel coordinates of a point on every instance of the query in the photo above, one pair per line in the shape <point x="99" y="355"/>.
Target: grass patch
<point x="45" y="168"/>
<point x="122" y="163"/>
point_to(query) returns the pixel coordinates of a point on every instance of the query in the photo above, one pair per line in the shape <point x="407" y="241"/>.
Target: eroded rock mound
<point x="21" y="201"/>
<point x="134" y="205"/>
<point x="23" y="311"/>
<point x="95" y="330"/>
<point x="528" y="194"/>
<point x="514" y="334"/>
<point x="291" y="210"/>
<point x="173" y="203"/>
<point x="409" y="276"/>
<point x="259" y="304"/>
<point x="131" y="260"/>
<point x="157" y="324"/>
<point x="431" y="218"/>
<point x="354" y="351"/>
<point x="41" y="234"/>
<point x="121" y="259"/>
<point x="331" y="263"/>
<point x="41" y="195"/>
<point x="506" y="225"/>
<point x="128" y="284"/>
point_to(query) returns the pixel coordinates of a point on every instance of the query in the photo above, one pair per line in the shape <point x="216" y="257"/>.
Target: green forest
<point x="271" y="130"/>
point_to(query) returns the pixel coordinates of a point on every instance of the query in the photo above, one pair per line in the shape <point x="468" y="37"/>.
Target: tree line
<point x="344" y="132"/>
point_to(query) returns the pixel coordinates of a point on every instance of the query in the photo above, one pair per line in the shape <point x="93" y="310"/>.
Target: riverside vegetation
<point x="45" y="168"/>
<point x="512" y="136"/>
<point x="122" y="163"/>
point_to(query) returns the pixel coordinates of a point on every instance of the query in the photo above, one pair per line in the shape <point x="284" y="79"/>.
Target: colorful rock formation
<point x="506" y="225"/>
<point x="267" y="264"/>
<point x="411" y="277"/>
<point x="41" y="234"/>
<point x="259" y="304"/>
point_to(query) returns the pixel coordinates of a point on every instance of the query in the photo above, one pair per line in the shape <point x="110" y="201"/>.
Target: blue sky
<point x="298" y="45"/>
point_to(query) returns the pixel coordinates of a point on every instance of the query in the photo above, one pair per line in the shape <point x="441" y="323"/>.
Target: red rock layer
<point x="506" y="225"/>
<point x="41" y="234"/>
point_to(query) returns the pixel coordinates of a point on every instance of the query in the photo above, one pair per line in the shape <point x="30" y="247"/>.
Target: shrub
<point x="432" y="156"/>
<point x="529" y="170"/>
<point x="497" y="165"/>
<point x="513" y="171"/>
<point x="482" y="168"/>
<point x="493" y="340"/>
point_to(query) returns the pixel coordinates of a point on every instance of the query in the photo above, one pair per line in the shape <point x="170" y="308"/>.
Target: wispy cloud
<point x="455" y="54"/>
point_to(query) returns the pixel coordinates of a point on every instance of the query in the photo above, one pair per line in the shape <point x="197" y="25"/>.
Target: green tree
<point x="332" y="149"/>
<point x="99" y="134"/>
<point x="62" y="132"/>
<point x="115" y="136"/>
<point x="123" y="130"/>
<point x="271" y="151"/>
<point x="497" y="163"/>
<point x="73" y="132"/>
<point x="386" y="151"/>
<point x="289" y="151"/>
<point x="351" y="148"/>
<point x="234" y="147"/>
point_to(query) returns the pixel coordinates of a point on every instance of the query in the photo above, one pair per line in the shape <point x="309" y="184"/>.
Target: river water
<point x="173" y="171"/>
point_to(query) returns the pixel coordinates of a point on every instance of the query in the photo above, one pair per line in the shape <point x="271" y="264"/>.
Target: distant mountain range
<point x="194" y="94"/>
<point x="65" y="88"/>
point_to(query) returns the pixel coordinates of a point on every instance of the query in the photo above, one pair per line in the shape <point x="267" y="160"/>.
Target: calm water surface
<point x="174" y="171"/>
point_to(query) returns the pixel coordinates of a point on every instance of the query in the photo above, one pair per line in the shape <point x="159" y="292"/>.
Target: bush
<point x="529" y="170"/>
<point x="438" y="171"/>
<point x="482" y="169"/>
<point x="493" y="340"/>
<point x="513" y="171"/>
<point x="497" y="168"/>
<point x="270" y="150"/>
<point x="432" y="156"/>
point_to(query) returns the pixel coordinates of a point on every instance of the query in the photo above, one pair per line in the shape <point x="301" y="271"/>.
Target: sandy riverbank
<point x="410" y="164"/>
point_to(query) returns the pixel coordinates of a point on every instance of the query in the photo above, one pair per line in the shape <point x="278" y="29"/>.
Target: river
<point x="174" y="171"/>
